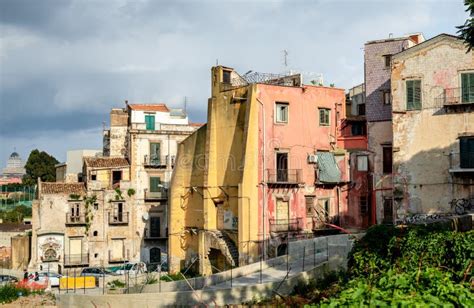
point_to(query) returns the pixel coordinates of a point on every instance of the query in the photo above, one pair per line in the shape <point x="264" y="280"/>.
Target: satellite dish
<point x="146" y="216"/>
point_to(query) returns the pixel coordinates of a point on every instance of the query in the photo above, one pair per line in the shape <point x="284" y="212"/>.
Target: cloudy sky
<point x="65" y="63"/>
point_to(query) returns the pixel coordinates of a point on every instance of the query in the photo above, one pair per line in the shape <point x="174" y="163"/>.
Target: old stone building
<point x="433" y="126"/>
<point x="378" y="104"/>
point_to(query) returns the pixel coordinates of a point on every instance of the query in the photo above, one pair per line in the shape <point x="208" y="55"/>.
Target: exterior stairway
<point x="227" y="247"/>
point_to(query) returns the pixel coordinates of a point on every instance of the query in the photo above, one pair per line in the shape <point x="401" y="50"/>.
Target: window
<point x="387" y="60"/>
<point x="387" y="99"/>
<point x="93" y="177"/>
<point x="358" y="129"/>
<point x="467" y="87"/>
<point x="324" y="208"/>
<point x="281" y="112"/>
<point x="226" y="76"/>
<point x="309" y="200"/>
<point x="413" y="94"/>
<point x="361" y="109"/>
<point x="466" y="149"/>
<point x="364" y="205"/>
<point x="155" y="184"/>
<point x="362" y="163"/>
<point x="116" y="177"/>
<point x="282" y="167"/>
<point x="155" y="158"/>
<point x="96" y="206"/>
<point x="95" y="233"/>
<point x="150" y="121"/>
<point x="324" y="115"/>
<point x="387" y="159"/>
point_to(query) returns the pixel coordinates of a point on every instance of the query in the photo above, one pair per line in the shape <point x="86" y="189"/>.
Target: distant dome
<point x="14" y="155"/>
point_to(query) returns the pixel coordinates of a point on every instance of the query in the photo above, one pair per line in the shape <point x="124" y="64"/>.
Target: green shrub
<point x="10" y="292"/>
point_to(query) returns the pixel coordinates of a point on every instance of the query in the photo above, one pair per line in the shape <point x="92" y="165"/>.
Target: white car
<point x="132" y="268"/>
<point x="53" y="278"/>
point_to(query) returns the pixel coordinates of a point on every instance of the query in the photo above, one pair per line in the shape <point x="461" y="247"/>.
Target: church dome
<point x="14" y="155"/>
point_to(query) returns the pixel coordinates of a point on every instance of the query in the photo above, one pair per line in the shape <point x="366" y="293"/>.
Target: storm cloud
<point x="65" y="63"/>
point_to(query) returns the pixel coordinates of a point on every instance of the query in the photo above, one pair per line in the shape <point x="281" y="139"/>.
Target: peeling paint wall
<point x="424" y="139"/>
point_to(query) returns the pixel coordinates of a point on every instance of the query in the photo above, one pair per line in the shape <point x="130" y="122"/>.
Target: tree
<point x="466" y="31"/>
<point x="40" y="165"/>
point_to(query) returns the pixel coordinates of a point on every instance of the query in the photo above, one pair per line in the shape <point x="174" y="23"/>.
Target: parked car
<point x="132" y="268"/>
<point x="96" y="272"/>
<point x="6" y="279"/>
<point x="53" y="278"/>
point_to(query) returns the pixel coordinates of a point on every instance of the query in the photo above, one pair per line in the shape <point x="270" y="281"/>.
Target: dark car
<point x="5" y="279"/>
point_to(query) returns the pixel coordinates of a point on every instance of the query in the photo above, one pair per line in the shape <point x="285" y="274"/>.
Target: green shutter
<point x="150" y="122"/>
<point x="155" y="153"/>
<point x="467" y="88"/>
<point x="155" y="184"/>
<point x="413" y="94"/>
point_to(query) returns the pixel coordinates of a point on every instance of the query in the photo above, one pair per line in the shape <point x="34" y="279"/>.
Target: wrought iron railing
<point x="76" y="259"/>
<point x="151" y="234"/>
<point x="75" y="219"/>
<point x="289" y="176"/>
<point x="159" y="161"/>
<point x="286" y="225"/>
<point x="454" y="96"/>
<point x="120" y="218"/>
<point x="161" y="193"/>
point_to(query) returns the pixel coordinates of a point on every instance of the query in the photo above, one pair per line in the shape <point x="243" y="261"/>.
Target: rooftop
<point x="149" y="107"/>
<point x="14" y="227"/>
<point x="105" y="162"/>
<point x="62" y="188"/>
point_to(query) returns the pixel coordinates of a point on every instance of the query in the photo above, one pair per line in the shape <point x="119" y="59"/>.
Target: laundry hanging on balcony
<point x="328" y="170"/>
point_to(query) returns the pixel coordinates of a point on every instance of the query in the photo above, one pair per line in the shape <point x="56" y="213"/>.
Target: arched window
<point x="50" y="255"/>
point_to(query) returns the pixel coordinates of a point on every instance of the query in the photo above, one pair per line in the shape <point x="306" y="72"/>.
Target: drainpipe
<point x="264" y="184"/>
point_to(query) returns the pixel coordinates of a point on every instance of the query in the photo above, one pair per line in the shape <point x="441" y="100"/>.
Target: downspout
<point x="264" y="184"/>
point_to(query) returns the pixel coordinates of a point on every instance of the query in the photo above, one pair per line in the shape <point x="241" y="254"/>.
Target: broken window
<point x="467" y="87"/>
<point x="324" y="116"/>
<point x="281" y="112"/>
<point x="387" y="159"/>
<point x="413" y="94"/>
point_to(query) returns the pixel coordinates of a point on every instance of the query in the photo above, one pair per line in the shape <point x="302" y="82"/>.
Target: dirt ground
<point x="45" y="300"/>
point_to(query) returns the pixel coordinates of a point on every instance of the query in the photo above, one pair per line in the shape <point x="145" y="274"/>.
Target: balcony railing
<point x="455" y="97"/>
<point x="286" y="225"/>
<point x="161" y="194"/>
<point x="461" y="162"/>
<point x="284" y="176"/>
<point x="154" y="235"/>
<point x="165" y="161"/>
<point x="120" y="218"/>
<point x="75" y="219"/>
<point x="119" y="258"/>
<point x="76" y="259"/>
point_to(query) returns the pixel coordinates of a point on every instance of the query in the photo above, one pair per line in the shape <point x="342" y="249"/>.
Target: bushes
<point x="10" y="292"/>
<point x="409" y="267"/>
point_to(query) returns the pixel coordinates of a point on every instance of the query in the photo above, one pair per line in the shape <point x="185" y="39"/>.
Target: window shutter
<point x="409" y="94"/>
<point x="417" y="94"/>
<point x="466" y="147"/>
<point x="154" y="184"/>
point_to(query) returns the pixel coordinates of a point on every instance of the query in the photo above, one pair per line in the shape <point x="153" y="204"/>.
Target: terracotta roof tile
<point x="62" y="188"/>
<point x="149" y="107"/>
<point x="105" y="162"/>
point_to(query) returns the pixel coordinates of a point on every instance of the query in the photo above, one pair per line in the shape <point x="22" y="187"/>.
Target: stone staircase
<point x="227" y="247"/>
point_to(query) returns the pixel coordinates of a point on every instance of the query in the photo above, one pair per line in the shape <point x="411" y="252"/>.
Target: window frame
<point x="277" y="112"/>
<point x="151" y="188"/>
<point x="366" y="163"/>
<point x="384" y="171"/>
<point x="328" y="115"/>
<point x="389" y="58"/>
<point x="413" y="103"/>
<point x="153" y="126"/>
<point x="469" y="94"/>
<point x="385" y="94"/>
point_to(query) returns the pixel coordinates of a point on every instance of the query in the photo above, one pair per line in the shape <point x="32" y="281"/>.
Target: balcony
<point x="286" y="225"/>
<point x="453" y="97"/>
<point x="461" y="162"/>
<point x="155" y="161"/>
<point x="161" y="194"/>
<point x="284" y="176"/>
<point x="119" y="258"/>
<point x="153" y="235"/>
<point x="118" y="218"/>
<point x="75" y="220"/>
<point x="76" y="259"/>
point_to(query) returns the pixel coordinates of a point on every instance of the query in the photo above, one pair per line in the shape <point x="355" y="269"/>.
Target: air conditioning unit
<point x="312" y="158"/>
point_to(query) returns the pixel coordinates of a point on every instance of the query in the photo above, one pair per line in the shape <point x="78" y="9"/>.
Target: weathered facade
<point x="378" y="102"/>
<point x="264" y="170"/>
<point x="433" y="126"/>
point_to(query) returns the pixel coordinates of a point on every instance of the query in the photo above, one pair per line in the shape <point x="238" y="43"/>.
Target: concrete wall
<point x="424" y="139"/>
<point x="138" y="116"/>
<point x="20" y="255"/>
<point x="117" y="135"/>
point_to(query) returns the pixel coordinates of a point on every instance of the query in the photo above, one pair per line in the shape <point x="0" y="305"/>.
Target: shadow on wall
<point x="428" y="181"/>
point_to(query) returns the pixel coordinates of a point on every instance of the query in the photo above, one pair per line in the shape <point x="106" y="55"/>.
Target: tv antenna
<point x="285" y="58"/>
